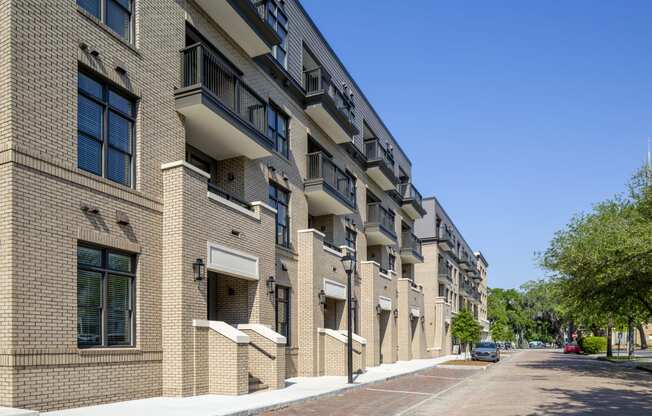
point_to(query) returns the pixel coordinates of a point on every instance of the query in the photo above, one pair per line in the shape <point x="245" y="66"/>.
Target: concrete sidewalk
<point x="298" y="389"/>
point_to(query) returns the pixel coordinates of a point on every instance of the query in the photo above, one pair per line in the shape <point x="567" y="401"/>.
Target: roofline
<point x="481" y="256"/>
<point x="346" y="71"/>
<point x="451" y="220"/>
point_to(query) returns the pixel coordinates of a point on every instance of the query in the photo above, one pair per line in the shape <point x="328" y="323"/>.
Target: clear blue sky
<point x="515" y="114"/>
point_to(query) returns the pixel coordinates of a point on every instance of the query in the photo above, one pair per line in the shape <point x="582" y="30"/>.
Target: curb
<point x="644" y="368"/>
<point x="336" y="392"/>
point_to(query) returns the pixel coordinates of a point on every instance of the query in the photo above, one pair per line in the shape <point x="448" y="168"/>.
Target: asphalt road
<point x="526" y="383"/>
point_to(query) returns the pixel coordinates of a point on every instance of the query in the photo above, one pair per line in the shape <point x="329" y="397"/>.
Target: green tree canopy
<point x="465" y="328"/>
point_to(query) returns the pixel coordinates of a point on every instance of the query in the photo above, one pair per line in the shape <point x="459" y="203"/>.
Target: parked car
<point x="536" y="344"/>
<point x="485" y="351"/>
<point x="572" y="348"/>
<point x="508" y="345"/>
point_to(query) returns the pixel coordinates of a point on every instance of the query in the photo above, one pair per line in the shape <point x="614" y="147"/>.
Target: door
<point x="211" y="297"/>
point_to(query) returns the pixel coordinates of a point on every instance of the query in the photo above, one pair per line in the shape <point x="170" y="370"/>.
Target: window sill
<point x="109" y="31"/>
<point x="109" y="350"/>
<point x="287" y="250"/>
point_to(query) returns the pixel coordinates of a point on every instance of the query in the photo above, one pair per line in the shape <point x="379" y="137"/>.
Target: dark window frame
<point x="288" y="315"/>
<point x="105" y="271"/>
<point x="350" y="238"/>
<point x="273" y="11"/>
<point x="103" y="9"/>
<point x="107" y="109"/>
<point x="391" y="262"/>
<point x="272" y="131"/>
<point x="275" y="202"/>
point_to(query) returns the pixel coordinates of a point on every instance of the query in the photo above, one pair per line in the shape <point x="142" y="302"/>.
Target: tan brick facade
<point x="48" y="206"/>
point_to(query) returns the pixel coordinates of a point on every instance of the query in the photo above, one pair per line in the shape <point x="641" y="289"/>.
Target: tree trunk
<point x="610" y="329"/>
<point x="630" y="337"/>
<point x="641" y="332"/>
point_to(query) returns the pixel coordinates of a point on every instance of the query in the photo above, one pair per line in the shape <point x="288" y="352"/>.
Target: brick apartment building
<point x="143" y="139"/>
<point x="460" y="277"/>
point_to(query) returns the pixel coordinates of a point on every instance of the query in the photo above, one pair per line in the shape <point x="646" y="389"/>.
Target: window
<point x="277" y="19"/>
<point x="277" y="130"/>
<point x="116" y="14"/>
<point x="105" y="286"/>
<point x="350" y="237"/>
<point x="105" y="130"/>
<point x="392" y="262"/>
<point x="283" y="312"/>
<point x="280" y="199"/>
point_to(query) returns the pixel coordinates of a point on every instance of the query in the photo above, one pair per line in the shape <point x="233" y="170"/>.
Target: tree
<point x="465" y="328"/>
<point x="602" y="260"/>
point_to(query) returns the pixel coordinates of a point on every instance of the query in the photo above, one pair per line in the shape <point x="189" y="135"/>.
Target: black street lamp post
<point x="348" y="262"/>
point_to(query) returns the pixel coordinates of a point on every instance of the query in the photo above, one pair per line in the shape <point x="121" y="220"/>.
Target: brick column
<point x="404" y="324"/>
<point x="310" y="316"/>
<point x="369" y="321"/>
<point x="182" y="298"/>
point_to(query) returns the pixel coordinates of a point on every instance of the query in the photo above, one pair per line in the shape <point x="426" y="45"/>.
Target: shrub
<point x="593" y="345"/>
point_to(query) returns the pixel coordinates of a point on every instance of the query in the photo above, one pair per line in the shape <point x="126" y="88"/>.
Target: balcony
<point x="328" y="106"/>
<point x="222" y="113"/>
<point x="411" y="248"/>
<point x="379" y="227"/>
<point x="329" y="189"/>
<point x="245" y="21"/>
<point x="229" y="197"/>
<point x="445" y="240"/>
<point x="380" y="164"/>
<point x="445" y="274"/>
<point x="412" y="200"/>
<point x="464" y="263"/>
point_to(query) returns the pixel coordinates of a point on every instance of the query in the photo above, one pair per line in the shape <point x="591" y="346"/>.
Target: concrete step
<point x="255" y="384"/>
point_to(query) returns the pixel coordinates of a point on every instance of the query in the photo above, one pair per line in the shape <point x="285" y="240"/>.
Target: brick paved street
<point x="532" y="383"/>
<point x="388" y="398"/>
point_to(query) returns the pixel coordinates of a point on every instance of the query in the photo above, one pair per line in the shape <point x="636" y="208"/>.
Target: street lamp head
<point x="322" y="297"/>
<point x="348" y="261"/>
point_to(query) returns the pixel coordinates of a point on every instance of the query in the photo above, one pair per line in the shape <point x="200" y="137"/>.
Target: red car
<point x="572" y="348"/>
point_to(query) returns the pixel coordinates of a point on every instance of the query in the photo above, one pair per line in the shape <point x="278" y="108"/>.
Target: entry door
<point x="211" y="297"/>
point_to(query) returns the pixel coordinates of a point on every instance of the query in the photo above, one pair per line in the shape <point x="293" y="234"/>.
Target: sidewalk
<point x="299" y="389"/>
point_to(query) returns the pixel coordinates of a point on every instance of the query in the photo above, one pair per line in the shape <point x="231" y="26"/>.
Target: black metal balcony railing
<point x="317" y="81"/>
<point x="322" y="167"/>
<point x="445" y="235"/>
<point x="263" y="9"/>
<point x="332" y="246"/>
<point x="378" y="214"/>
<point x="445" y="274"/>
<point x="409" y="192"/>
<point x="205" y="68"/>
<point x="376" y="151"/>
<point x="412" y="242"/>
<point x="229" y="197"/>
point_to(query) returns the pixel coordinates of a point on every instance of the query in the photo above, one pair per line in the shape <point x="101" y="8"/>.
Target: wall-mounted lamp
<point x="322" y="297"/>
<point x="198" y="270"/>
<point x="395" y="313"/>
<point x="379" y="310"/>
<point x="271" y="285"/>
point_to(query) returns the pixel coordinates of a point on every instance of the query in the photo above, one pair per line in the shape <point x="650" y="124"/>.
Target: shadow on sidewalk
<point x="583" y="366"/>
<point x="597" y="401"/>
